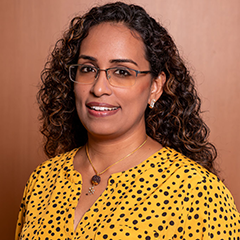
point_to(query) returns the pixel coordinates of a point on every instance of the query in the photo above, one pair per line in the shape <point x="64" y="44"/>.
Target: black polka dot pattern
<point x="167" y="196"/>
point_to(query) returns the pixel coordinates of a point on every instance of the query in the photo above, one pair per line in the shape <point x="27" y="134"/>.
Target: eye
<point x="87" y="69"/>
<point x="123" y="72"/>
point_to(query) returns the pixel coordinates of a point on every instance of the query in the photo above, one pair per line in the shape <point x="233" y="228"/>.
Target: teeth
<point x="103" y="108"/>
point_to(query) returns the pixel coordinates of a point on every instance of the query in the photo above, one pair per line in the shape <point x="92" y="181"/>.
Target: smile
<point x="97" y="108"/>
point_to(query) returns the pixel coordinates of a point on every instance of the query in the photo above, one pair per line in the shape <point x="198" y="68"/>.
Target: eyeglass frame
<point x="106" y="72"/>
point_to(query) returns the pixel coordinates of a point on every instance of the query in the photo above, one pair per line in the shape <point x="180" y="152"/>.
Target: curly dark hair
<point x="175" y="120"/>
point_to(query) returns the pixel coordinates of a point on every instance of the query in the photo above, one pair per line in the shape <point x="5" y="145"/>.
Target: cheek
<point x="80" y="94"/>
<point x="80" y="99"/>
<point x="139" y="96"/>
<point x="146" y="86"/>
<point x="143" y="91"/>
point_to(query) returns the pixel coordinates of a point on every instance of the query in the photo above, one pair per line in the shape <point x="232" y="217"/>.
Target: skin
<point x="113" y="134"/>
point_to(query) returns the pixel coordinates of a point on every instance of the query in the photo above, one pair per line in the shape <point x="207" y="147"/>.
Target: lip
<point x="97" y="109"/>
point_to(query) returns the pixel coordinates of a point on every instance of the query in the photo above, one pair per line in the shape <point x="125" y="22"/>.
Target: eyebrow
<point x="87" y="58"/>
<point x="111" y="61"/>
<point x="123" y="61"/>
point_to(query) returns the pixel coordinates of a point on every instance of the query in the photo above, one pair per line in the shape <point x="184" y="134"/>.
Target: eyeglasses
<point x="117" y="76"/>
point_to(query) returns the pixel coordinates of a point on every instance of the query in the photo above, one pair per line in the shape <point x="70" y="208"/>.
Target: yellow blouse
<point x="168" y="196"/>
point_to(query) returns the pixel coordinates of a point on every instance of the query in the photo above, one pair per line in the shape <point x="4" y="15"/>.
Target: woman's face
<point x="105" y="110"/>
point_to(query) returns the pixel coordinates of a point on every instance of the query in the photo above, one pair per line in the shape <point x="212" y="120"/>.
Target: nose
<point x="101" y="85"/>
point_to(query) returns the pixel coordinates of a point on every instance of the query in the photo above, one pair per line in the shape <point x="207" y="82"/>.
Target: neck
<point x="106" y="151"/>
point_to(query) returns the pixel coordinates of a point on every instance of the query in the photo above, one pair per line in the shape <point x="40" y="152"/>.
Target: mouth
<point x="97" y="108"/>
<point x="102" y="109"/>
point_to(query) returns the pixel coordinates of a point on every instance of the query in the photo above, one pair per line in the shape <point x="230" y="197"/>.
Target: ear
<point x="157" y="87"/>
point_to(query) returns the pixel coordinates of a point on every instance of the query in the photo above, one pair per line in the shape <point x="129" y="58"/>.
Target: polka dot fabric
<point x="167" y="196"/>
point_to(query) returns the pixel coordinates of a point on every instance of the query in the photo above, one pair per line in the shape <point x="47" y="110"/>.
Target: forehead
<point x="112" y="41"/>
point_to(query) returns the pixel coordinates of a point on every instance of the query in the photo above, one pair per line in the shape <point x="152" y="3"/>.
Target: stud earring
<point x="152" y="103"/>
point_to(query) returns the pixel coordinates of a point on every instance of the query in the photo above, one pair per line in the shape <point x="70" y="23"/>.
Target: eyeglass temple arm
<point x="142" y="72"/>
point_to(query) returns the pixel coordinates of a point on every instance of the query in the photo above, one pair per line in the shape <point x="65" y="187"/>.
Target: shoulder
<point x="55" y="163"/>
<point x="196" y="180"/>
<point x="184" y="168"/>
<point x="187" y="167"/>
<point x="51" y="167"/>
<point x="206" y="205"/>
<point x="177" y="162"/>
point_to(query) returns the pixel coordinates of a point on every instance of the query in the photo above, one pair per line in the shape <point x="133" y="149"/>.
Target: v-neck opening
<point x="109" y="184"/>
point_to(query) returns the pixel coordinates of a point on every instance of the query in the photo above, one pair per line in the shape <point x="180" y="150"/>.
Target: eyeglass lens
<point x="119" y="76"/>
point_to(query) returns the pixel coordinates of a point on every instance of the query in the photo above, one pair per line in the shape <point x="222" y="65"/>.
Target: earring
<point x="152" y="103"/>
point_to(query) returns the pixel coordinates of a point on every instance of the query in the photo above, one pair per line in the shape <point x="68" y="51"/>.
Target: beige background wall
<point x="207" y="34"/>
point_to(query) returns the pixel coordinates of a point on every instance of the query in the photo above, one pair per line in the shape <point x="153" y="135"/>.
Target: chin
<point x="103" y="131"/>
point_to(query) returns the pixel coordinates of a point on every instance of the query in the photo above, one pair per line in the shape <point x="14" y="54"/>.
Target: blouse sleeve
<point x="213" y="214"/>
<point x="24" y="202"/>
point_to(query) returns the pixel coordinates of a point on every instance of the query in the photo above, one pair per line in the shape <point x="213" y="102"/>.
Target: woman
<point x="123" y="170"/>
